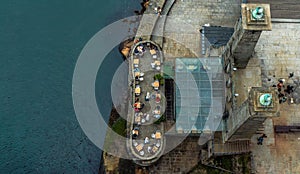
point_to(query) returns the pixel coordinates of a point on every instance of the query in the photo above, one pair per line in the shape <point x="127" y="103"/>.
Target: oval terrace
<point x="146" y="142"/>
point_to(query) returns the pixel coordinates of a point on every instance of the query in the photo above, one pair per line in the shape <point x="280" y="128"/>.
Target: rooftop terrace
<point x="146" y="139"/>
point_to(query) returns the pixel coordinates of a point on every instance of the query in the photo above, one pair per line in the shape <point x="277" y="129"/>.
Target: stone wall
<point x="236" y="119"/>
<point x="240" y="47"/>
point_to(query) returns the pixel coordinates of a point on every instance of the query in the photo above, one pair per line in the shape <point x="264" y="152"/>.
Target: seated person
<point x="147" y="97"/>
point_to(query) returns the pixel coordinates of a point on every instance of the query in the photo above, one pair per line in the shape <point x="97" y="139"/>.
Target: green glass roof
<point x="199" y="93"/>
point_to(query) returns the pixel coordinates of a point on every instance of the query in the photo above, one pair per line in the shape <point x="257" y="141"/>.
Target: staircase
<point x="231" y="148"/>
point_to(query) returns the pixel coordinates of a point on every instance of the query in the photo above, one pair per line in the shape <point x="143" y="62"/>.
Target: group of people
<point x="283" y="90"/>
<point x="138" y="105"/>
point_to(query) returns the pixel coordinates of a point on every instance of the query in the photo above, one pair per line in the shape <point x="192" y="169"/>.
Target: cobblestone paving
<point x="279" y="53"/>
<point x="180" y="160"/>
<point x="187" y="17"/>
<point x="149" y="19"/>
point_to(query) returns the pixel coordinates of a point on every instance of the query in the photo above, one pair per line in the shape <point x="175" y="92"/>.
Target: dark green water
<point x="40" y="41"/>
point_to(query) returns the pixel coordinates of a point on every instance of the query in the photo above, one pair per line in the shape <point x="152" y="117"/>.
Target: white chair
<point x="142" y="74"/>
<point x="142" y="153"/>
<point x="158" y="68"/>
<point x="154" y="56"/>
<point x="152" y="135"/>
<point x="149" y="149"/>
<point x="153" y="65"/>
<point x="141" y="78"/>
<point x="136" y="65"/>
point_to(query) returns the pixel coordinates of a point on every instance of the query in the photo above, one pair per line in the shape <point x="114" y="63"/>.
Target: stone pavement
<point x="180" y="160"/>
<point x="148" y="20"/>
<point x="245" y="79"/>
<point x="187" y="17"/>
<point x="279" y="53"/>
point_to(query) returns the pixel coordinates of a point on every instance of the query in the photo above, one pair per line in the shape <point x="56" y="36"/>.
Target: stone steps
<point x="231" y="148"/>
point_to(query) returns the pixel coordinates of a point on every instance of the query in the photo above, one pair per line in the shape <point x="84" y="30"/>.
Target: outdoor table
<point x="137" y="119"/>
<point x="154" y="149"/>
<point x="137" y="74"/>
<point x="157" y="135"/>
<point x="152" y="51"/>
<point x="157" y="63"/>
<point x="135" y="132"/>
<point x="139" y="147"/>
<point x="156" y="84"/>
<point x="136" y="61"/>
<point x="137" y="90"/>
<point x="137" y="105"/>
<point x="156" y="111"/>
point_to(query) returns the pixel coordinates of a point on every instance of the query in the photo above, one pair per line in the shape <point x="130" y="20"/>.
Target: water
<point x="39" y="45"/>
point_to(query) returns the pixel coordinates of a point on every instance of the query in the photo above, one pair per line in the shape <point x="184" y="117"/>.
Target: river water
<point x="40" y="42"/>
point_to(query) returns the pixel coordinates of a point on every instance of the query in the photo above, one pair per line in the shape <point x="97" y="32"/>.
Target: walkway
<point x="157" y="34"/>
<point x="149" y="18"/>
<point x="278" y="51"/>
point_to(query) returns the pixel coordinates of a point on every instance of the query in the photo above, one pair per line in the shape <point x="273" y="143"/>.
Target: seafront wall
<point x="146" y="25"/>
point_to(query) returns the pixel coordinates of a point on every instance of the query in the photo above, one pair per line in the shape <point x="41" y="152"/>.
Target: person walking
<point x="261" y="139"/>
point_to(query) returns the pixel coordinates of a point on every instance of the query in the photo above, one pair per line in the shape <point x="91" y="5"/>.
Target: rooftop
<point x="199" y="93"/>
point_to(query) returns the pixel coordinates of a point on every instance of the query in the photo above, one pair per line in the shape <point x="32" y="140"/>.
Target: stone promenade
<point x="279" y="54"/>
<point x="187" y="17"/>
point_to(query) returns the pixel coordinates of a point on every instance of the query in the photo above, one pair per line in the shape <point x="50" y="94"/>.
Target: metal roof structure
<point x="218" y="36"/>
<point x="199" y="94"/>
<point x="214" y="36"/>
